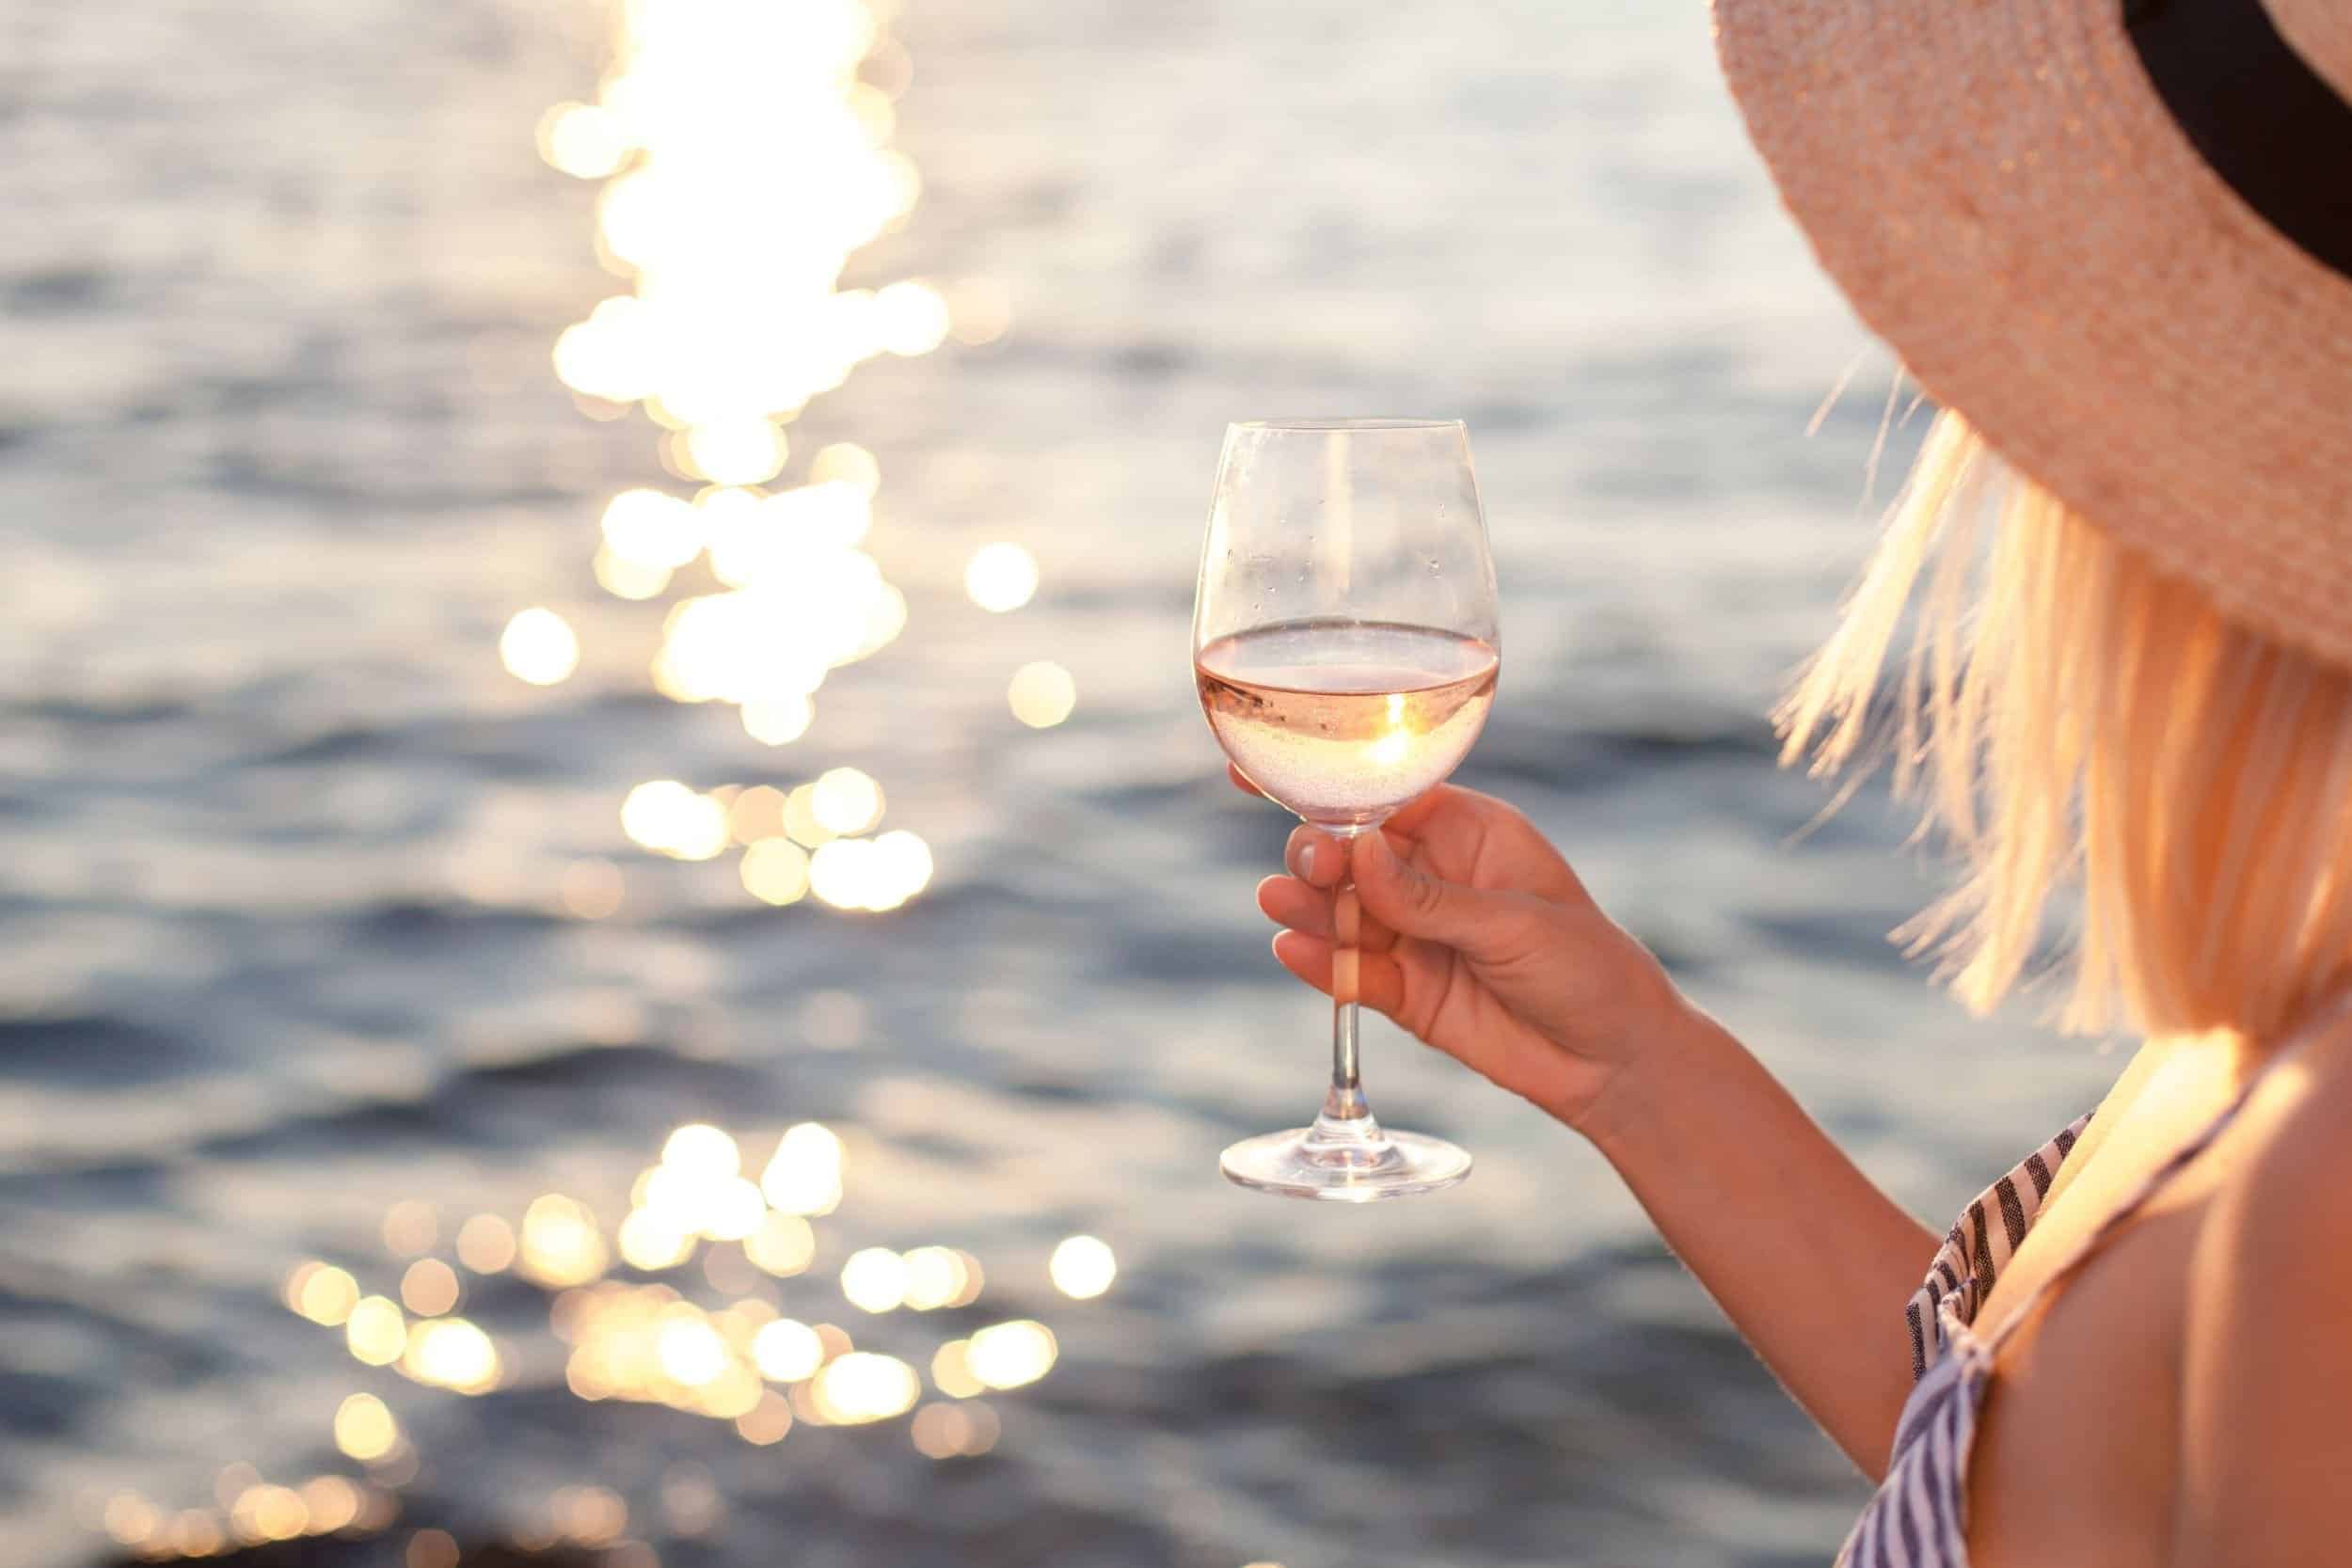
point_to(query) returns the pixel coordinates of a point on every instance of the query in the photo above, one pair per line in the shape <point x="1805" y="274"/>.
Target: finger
<point x="1409" y="900"/>
<point x="1379" y="980"/>
<point x="1241" y="783"/>
<point x="1470" y="837"/>
<point x="1407" y="820"/>
<point x="1315" y="857"/>
<point x="1288" y="901"/>
<point x="1448" y="807"/>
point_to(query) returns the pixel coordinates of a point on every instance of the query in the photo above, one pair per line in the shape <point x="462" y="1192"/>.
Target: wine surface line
<point x="1343" y="722"/>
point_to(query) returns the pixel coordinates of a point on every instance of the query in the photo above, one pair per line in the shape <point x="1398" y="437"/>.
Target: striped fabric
<point x="1978" y="1249"/>
<point x="1918" y="1518"/>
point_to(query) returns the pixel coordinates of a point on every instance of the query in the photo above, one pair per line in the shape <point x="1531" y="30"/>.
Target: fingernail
<point x="1306" y="861"/>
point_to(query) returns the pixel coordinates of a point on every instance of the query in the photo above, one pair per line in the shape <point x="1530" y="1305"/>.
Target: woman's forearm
<point x="1806" y="1256"/>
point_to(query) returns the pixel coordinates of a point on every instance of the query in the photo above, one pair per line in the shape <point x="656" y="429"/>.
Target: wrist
<point x="1636" y="1106"/>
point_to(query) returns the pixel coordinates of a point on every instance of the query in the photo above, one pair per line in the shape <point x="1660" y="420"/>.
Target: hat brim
<point x="2002" y="195"/>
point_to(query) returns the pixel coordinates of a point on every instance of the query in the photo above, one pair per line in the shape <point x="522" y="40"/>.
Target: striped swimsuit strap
<point x="1979" y="1245"/>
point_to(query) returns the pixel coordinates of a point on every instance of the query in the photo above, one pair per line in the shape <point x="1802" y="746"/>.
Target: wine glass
<point x="1344" y="642"/>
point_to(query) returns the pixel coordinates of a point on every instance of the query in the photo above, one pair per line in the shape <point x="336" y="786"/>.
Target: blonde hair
<point x="2076" y="718"/>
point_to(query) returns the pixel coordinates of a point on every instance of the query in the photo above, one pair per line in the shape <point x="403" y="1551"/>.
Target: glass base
<point x="1324" y="1161"/>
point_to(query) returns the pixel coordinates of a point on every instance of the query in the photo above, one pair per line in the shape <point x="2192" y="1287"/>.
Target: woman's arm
<point x="1479" y="939"/>
<point x="1803" y="1252"/>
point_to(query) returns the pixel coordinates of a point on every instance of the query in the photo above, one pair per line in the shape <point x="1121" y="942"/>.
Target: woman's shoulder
<point x="2290" y="1176"/>
<point x="2266" y="1370"/>
<point x="2283" y="1202"/>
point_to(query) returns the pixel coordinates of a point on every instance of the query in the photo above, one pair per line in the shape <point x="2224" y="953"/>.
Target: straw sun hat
<point x="2117" y="236"/>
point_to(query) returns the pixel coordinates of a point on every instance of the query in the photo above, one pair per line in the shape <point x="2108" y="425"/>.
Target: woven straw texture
<point x="2003" y="196"/>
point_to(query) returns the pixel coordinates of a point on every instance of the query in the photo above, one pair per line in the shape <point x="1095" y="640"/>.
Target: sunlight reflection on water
<point x="720" y="1348"/>
<point x="734" y="322"/>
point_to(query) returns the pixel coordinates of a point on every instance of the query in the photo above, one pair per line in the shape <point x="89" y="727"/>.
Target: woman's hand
<point x="1477" y="938"/>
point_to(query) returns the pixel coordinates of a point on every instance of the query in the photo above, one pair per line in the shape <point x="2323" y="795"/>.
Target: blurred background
<point x="623" y="942"/>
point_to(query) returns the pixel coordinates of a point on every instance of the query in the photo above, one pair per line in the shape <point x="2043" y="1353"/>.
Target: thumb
<point x="1411" y="902"/>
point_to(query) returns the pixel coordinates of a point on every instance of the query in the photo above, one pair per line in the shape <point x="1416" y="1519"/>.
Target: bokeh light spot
<point x="561" y="1246"/>
<point x="758" y="813"/>
<point x="486" y="1243"/>
<point x="431" y="1548"/>
<point x="651" y="1241"/>
<point x="951" y="1371"/>
<point x="910" y="318"/>
<point x="980" y="312"/>
<point x="787" y="1350"/>
<point x="586" y="141"/>
<point x="954" y="1431"/>
<point x="846" y="800"/>
<point x="936" y="1277"/>
<point x="862" y="1386"/>
<point x="804" y="1175"/>
<point x="1010" y="1355"/>
<point x="766" y="1421"/>
<point x="845" y="463"/>
<point x="451" y="1352"/>
<point x="701" y="1150"/>
<point x="736" y="452"/>
<point x="410" y="1227"/>
<point x="364" y="1427"/>
<point x="331" y="1503"/>
<point x="1042" y="694"/>
<point x="1082" y="1267"/>
<point x="539" y="646"/>
<point x="128" y="1518"/>
<point x="1000" y="576"/>
<point x="195" y="1533"/>
<point x="775" y="871"/>
<point x="623" y="578"/>
<point x="651" y="529"/>
<point x="778" y="721"/>
<point x="783" y="1245"/>
<point x="323" y="1293"/>
<point x="591" y="889"/>
<point x="376" y="1332"/>
<point x="800" y="818"/>
<point x="429" y="1287"/>
<point x="690" y="1350"/>
<point x="665" y="816"/>
<point x="874" y="1279"/>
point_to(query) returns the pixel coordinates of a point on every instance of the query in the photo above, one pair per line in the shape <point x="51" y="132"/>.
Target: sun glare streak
<point x="734" y="321"/>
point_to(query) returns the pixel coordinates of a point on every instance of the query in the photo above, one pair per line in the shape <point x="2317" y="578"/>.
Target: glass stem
<point x="1346" y="1118"/>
